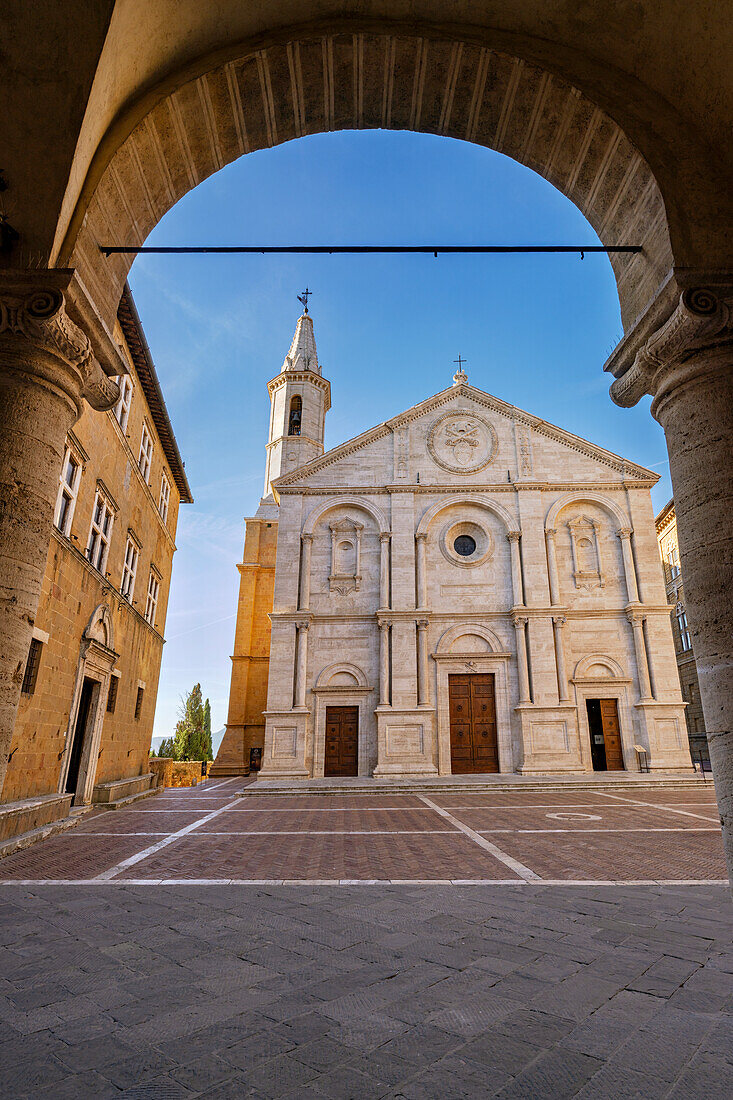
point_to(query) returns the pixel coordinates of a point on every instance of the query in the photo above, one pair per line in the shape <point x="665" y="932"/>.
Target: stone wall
<point x="175" y="773"/>
<point x="73" y="589"/>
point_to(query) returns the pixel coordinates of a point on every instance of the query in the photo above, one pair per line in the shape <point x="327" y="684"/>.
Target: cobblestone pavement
<point x="140" y="958"/>
<point x="428" y="991"/>
<point x="210" y="834"/>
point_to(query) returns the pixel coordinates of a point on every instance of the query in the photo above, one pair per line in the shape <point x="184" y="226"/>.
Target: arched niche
<point x="497" y="510"/>
<point x="609" y="506"/>
<point x="598" y="666"/>
<point x="339" y="504"/>
<point x="343" y="674"/>
<point x="301" y="81"/>
<point x="468" y="639"/>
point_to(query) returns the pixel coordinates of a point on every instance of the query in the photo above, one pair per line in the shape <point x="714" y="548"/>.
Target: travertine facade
<point x="666" y="524"/>
<point x="92" y="675"/>
<point x="464" y="545"/>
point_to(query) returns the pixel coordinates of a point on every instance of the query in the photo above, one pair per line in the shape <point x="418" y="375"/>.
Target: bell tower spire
<point x="300" y="397"/>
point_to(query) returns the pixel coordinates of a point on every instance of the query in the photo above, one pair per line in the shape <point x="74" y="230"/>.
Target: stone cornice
<point x="412" y="615"/>
<point x="486" y="487"/>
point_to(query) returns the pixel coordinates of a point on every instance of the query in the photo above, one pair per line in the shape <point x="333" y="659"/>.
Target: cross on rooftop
<point x="460" y="361"/>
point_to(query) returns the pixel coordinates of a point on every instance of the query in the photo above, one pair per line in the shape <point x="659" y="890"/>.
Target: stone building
<point x="666" y="523"/>
<point x="91" y="677"/>
<point x="463" y="588"/>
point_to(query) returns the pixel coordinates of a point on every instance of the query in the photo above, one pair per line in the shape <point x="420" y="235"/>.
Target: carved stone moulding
<point x="462" y="443"/>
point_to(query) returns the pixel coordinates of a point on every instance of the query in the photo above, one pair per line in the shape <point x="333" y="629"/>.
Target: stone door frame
<point x="97" y="659"/>
<point x="463" y="663"/>
<point x="337" y="696"/>
<point x="601" y="688"/>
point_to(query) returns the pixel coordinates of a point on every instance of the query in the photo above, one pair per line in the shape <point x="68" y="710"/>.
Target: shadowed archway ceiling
<point x="364" y="80"/>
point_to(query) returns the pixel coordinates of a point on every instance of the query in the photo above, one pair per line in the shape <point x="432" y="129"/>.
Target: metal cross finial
<point x="304" y="298"/>
<point x="460" y="377"/>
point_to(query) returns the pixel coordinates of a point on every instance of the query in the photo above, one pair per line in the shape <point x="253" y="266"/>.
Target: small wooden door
<point x="605" y="735"/>
<point x="473" y="741"/>
<point x="611" y="735"/>
<point x="342" y="741"/>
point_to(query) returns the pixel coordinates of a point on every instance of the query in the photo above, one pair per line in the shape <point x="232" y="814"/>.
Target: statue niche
<point x="587" y="572"/>
<point x="345" y="574"/>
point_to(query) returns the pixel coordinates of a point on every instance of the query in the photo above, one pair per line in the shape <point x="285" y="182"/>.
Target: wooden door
<point x="611" y="735"/>
<point x="342" y="741"/>
<point x="473" y="739"/>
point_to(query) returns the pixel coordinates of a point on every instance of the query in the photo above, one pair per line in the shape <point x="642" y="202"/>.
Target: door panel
<point x="342" y="741"/>
<point x="612" y="735"/>
<point x="473" y="733"/>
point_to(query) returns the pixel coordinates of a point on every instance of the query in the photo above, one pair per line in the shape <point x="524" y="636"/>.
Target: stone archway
<point x="558" y="92"/>
<point x="307" y="82"/>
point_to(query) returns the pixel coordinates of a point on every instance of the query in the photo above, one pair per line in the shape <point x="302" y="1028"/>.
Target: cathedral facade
<point x="464" y="588"/>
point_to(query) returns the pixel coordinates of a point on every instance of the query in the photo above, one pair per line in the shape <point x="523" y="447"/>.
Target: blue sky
<point x="535" y="330"/>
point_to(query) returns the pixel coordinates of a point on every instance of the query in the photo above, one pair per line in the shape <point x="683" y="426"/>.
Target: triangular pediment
<point x="462" y="408"/>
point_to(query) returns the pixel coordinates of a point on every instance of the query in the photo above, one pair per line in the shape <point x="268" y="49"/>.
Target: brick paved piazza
<point x="437" y="946"/>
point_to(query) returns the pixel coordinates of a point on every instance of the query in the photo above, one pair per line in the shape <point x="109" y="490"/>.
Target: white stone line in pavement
<point x="666" y="829"/>
<point x="331" y="832"/>
<point x="513" y="882"/>
<point x="508" y="861"/>
<point x="139" y="856"/>
<point x="655" y="806"/>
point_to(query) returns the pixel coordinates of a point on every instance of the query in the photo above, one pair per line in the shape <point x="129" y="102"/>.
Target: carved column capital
<point x="421" y="536"/>
<point x="624" y="532"/>
<point x="422" y="624"/>
<point x="691" y="339"/>
<point x="306" y="537"/>
<point x="635" y="616"/>
<point x="514" y="536"/>
<point x="550" y="532"/>
<point x="519" y="621"/>
<point x="384" y="624"/>
<point x="559" y="620"/>
<point x="38" y="337"/>
<point x="385" y="536"/>
<point x="302" y="624"/>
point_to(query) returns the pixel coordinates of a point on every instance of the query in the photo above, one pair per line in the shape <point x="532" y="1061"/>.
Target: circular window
<point x="465" y="545"/>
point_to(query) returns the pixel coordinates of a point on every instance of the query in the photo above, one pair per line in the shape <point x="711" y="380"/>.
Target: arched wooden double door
<point x="473" y="738"/>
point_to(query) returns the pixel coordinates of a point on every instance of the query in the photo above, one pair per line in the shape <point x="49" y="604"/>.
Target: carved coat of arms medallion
<point x="462" y="442"/>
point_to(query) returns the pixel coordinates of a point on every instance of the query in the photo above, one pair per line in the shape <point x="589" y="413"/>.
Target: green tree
<point x="166" y="747"/>
<point x="190" y="741"/>
<point x="207" y="731"/>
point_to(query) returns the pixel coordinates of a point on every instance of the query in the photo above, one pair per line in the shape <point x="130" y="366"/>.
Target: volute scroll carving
<point x="34" y="318"/>
<point x="701" y="322"/>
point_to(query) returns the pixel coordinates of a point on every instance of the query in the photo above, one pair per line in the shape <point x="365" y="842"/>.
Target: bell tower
<point x="300" y="397"/>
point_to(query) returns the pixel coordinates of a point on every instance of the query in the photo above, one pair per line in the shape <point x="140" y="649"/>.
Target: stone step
<point x="474" y="784"/>
<point x="41" y="832"/>
<point x="128" y="801"/>
<point x="118" y="790"/>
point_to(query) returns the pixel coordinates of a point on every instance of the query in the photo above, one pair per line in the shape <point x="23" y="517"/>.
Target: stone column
<point x="517" y="586"/>
<point x="632" y="588"/>
<point x="302" y="662"/>
<point x="47" y="369"/>
<point x="384" y="569"/>
<point x="550" y="533"/>
<point x="421" y="559"/>
<point x="422" y="663"/>
<point x="384" y="625"/>
<point x="520" y="625"/>
<point x="305" y="571"/>
<point x="645" y="688"/>
<point x="687" y="365"/>
<point x="558" y="626"/>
